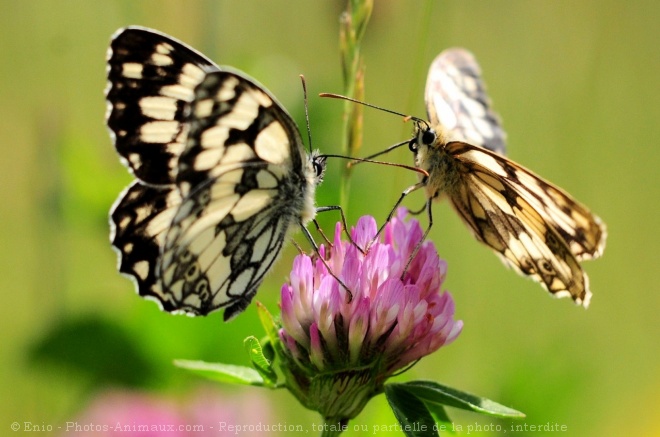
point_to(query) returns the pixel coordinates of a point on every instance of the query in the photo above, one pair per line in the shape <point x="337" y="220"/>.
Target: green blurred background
<point x="576" y="84"/>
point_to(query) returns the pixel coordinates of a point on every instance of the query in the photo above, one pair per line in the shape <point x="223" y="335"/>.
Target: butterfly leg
<point x="426" y="233"/>
<point x="418" y="211"/>
<point x="320" y="231"/>
<point x="343" y="222"/>
<point x="405" y="192"/>
<point x="300" y="250"/>
<point x="318" y="252"/>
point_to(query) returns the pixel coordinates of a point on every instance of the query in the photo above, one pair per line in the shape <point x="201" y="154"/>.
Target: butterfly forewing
<point x="237" y="184"/>
<point x="234" y="121"/>
<point x="456" y="99"/>
<point x="152" y="78"/>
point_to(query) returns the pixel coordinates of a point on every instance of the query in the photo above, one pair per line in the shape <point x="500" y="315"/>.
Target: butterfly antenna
<point x="370" y="105"/>
<point x="368" y="159"/>
<point x="309" y="129"/>
<point x="406" y="118"/>
<point x="382" y="152"/>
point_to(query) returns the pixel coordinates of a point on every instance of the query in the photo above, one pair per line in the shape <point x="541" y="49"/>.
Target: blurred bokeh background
<point x="576" y="84"/>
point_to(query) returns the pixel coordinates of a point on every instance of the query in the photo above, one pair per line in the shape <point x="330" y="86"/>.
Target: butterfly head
<point x="316" y="164"/>
<point x="425" y="139"/>
<point x="425" y="136"/>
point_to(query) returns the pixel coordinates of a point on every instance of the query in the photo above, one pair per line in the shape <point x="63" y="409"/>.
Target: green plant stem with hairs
<point x="352" y="26"/>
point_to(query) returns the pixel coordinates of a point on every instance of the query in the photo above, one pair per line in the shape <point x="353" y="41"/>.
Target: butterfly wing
<point x="222" y="175"/>
<point x="456" y="99"/>
<point x="246" y="181"/>
<point x="235" y="253"/>
<point x="535" y="227"/>
<point x="221" y="244"/>
<point x="139" y="222"/>
<point x="152" y="78"/>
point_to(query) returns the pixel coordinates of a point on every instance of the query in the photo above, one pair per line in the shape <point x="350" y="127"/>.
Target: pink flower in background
<point x="137" y="414"/>
<point x="393" y="319"/>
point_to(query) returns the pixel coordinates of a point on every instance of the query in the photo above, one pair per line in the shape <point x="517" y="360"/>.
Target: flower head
<point x="396" y="315"/>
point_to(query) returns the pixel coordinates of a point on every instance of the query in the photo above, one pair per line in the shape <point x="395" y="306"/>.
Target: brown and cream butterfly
<point x="535" y="227"/>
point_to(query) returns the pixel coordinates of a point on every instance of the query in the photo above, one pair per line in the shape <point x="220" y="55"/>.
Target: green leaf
<point x="222" y="372"/>
<point x="433" y="393"/>
<point x="259" y="360"/>
<point x="413" y="416"/>
<point x="268" y="350"/>
<point x="441" y="417"/>
<point x="268" y="322"/>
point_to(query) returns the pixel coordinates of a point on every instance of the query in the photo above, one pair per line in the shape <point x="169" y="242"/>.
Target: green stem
<point x="353" y="24"/>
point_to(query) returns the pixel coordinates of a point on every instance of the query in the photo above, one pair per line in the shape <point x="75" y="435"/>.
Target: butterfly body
<point x="535" y="227"/>
<point x="222" y="176"/>
<point x="443" y="173"/>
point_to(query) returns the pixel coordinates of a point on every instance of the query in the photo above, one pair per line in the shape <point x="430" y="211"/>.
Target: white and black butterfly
<point x="221" y="175"/>
<point x="535" y="227"/>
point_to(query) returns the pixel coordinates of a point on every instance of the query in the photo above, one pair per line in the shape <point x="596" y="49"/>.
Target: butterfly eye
<point x="428" y="137"/>
<point x="319" y="167"/>
<point x="412" y="145"/>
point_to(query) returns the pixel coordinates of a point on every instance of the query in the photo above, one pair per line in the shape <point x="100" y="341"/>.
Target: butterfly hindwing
<point x="152" y="78"/>
<point x="456" y="99"/>
<point x="220" y="245"/>
<point x="139" y="222"/>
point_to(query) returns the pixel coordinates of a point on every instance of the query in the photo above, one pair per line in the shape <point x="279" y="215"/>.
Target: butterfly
<point x="535" y="227"/>
<point x="222" y="176"/>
